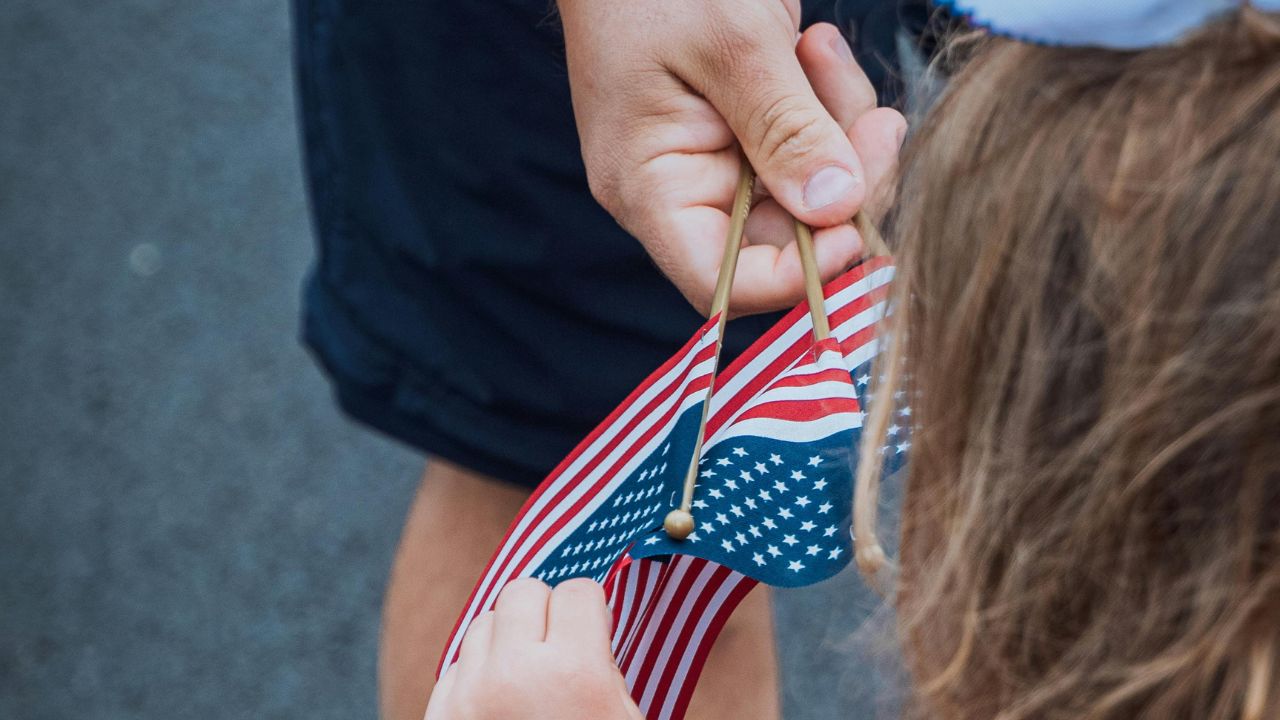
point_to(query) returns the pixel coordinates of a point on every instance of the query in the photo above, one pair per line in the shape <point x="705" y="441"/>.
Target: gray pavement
<point x="187" y="526"/>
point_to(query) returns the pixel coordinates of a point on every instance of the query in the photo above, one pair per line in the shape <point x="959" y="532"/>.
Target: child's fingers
<point x="520" y="613"/>
<point x="438" y="705"/>
<point x="878" y="136"/>
<point x="579" y="616"/>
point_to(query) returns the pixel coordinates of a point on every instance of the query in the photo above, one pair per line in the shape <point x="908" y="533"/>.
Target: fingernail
<point x="841" y="48"/>
<point x="828" y="185"/>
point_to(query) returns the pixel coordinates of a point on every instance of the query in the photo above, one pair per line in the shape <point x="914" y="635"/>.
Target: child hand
<point x="542" y="654"/>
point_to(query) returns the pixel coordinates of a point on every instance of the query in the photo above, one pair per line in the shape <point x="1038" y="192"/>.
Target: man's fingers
<point x="578" y="616"/>
<point x="878" y="136"/>
<point x="520" y="613"/>
<point x="838" y="81"/>
<point x="747" y="69"/>
<point x="772" y="278"/>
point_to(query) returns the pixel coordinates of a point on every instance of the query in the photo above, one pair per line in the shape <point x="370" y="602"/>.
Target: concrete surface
<point x="187" y="526"/>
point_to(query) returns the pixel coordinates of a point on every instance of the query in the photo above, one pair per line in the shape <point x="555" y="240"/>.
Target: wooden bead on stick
<point x="678" y="524"/>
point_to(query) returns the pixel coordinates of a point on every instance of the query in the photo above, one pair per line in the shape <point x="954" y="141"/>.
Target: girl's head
<point x="1088" y="324"/>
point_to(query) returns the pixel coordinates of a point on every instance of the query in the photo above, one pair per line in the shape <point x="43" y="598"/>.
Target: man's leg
<point x="457" y="519"/>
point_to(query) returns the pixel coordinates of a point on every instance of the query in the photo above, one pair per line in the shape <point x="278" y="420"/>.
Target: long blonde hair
<point x="1087" y="322"/>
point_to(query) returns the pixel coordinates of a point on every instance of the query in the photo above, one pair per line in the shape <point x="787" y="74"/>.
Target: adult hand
<point x="665" y="92"/>
<point x="541" y="654"/>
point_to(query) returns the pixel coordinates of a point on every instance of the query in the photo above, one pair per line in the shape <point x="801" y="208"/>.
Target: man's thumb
<point x="798" y="150"/>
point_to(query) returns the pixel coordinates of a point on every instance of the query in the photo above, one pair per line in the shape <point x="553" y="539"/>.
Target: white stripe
<point x="630" y="578"/>
<point x="665" y="644"/>
<point x="681" y="674"/>
<point x="646" y="638"/>
<point x="588" y="459"/>
<point x="653" y="575"/>
<point x="817" y="391"/>
<point x="792" y="431"/>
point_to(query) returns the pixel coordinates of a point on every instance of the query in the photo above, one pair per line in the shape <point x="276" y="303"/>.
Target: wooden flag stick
<point x="679" y="522"/>
<point x="812" y="282"/>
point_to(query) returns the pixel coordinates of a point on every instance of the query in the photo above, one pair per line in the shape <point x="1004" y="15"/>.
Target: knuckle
<point x="784" y="129"/>
<point x="584" y="588"/>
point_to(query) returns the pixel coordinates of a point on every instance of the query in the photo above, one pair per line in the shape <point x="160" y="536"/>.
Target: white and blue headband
<point x="1118" y="24"/>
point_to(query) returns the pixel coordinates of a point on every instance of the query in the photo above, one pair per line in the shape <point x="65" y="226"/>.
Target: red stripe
<point x="789" y="355"/>
<point x="800" y="410"/>
<point x="685" y="685"/>
<point x="811" y="378"/>
<point x="679" y="638"/>
<point x="661" y="632"/>
<point x="644" y="627"/>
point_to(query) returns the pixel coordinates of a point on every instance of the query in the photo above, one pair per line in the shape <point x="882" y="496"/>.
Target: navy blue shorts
<point x="469" y="296"/>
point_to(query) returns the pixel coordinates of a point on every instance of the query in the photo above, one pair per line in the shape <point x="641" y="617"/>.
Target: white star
<point x="797" y="475"/>
<point x="813" y="550"/>
<point x="694" y="537"/>
<point x="893" y="429"/>
<point x="707" y="527"/>
<point x="737" y="511"/>
<point x="731" y="484"/>
<point x="742" y="539"/>
<point x="831" y="530"/>
<point x="863" y="380"/>
<point x="727" y="545"/>
<point x="824" y="508"/>
<point x="700" y="504"/>
<point x="819" y="484"/>
<point x="834" y="553"/>
<point x="815" y="461"/>
<point x="708" y="473"/>
<point x="764" y="495"/>
<point x="758" y="558"/>
<point x="769" y="523"/>
<point x="795" y="565"/>
<point x="790" y="539"/>
<point x="903" y="447"/>
<point x="780" y="486"/>
<point x="773" y="550"/>
<point x="784" y="513"/>
<point x="802" y="501"/>
<point x="715" y="493"/>
<point x="724" y="519"/>
<point x="807" y="526"/>
<point x="663" y="468"/>
<point x="746" y="476"/>
<point x="905" y="412"/>
<point x="724" y="461"/>
<point x="651" y="540"/>
<point x="739" y="452"/>
<point x="755" y="531"/>
<point x="751" y="504"/>
<point x="665" y="448"/>
<point x="775" y="458"/>
<point x="762" y="468"/>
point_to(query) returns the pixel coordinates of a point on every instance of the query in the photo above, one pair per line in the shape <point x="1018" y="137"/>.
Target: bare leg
<point x="456" y="521"/>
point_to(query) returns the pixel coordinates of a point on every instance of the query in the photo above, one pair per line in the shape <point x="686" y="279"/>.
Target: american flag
<point x="787" y="412"/>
